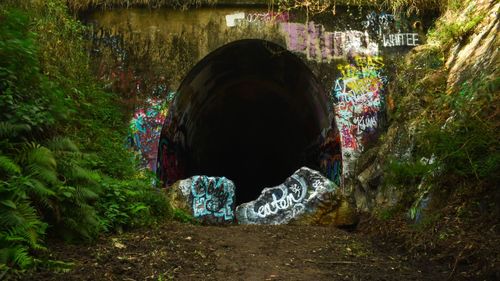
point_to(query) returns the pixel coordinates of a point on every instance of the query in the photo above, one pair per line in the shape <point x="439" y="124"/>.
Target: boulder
<point x="306" y="197"/>
<point x="210" y="200"/>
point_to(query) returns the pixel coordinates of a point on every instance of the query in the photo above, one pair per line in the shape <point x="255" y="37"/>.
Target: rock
<point x="210" y="200"/>
<point x="480" y="54"/>
<point x="304" y="198"/>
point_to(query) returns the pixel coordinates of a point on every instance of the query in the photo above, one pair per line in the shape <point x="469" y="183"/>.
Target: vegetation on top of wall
<point x="396" y="6"/>
<point x="64" y="169"/>
<point x="83" y="5"/>
<point x="311" y="6"/>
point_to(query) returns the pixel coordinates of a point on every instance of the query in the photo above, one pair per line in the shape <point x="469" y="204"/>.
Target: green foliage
<point x="131" y="203"/>
<point x="51" y="184"/>
<point x="446" y="33"/>
<point x="182" y="216"/>
<point x="396" y="6"/>
<point x="388" y="213"/>
<point x="466" y="142"/>
<point x="457" y="129"/>
<point x="403" y="172"/>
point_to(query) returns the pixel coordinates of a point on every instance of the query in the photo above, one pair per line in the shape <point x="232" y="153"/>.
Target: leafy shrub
<point x="131" y="203"/>
<point x="51" y="184"/>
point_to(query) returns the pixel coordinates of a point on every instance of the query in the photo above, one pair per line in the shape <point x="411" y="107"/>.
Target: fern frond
<point x="42" y="156"/>
<point x="85" y="194"/>
<point x="9" y="218"/>
<point x="9" y="166"/>
<point x="61" y="144"/>
<point x="39" y="188"/>
<point x="39" y="162"/>
<point x="9" y="130"/>
<point x="23" y="214"/>
<point x="20" y="256"/>
<point x="42" y="173"/>
<point x="15" y="254"/>
<point x="84" y="175"/>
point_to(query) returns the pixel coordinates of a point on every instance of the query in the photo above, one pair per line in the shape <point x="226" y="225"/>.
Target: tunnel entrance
<point x="250" y="111"/>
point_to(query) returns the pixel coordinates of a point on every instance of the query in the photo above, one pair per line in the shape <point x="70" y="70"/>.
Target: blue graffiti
<point x="212" y="197"/>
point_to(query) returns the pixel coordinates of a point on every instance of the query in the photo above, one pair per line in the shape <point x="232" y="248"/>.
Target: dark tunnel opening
<point x="250" y="111"/>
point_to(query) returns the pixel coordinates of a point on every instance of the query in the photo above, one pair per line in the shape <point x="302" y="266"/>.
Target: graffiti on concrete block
<point x="297" y="196"/>
<point x="285" y="197"/>
<point x="357" y="97"/>
<point x="212" y="196"/>
<point x="317" y="44"/>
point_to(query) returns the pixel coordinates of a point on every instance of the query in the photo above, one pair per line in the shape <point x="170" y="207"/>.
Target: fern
<point x="9" y="130"/>
<point x="16" y="254"/>
<point x="9" y="166"/>
<point x="62" y="144"/>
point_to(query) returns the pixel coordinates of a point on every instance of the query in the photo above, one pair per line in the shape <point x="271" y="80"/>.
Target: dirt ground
<point x="176" y="251"/>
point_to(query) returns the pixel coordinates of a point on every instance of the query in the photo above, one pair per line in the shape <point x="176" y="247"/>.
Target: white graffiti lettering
<point x="286" y="201"/>
<point x="400" y="39"/>
<point x="365" y="122"/>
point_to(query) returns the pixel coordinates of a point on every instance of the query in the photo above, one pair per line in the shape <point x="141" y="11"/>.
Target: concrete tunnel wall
<point x="250" y="111"/>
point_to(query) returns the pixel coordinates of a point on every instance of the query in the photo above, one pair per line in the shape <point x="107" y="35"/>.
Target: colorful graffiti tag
<point x="145" y="128"/>
<point x="171" y="154"/>
<point x="213" y="197"/>
<point x="357" y="96"/>
<point x="331" y="155"/>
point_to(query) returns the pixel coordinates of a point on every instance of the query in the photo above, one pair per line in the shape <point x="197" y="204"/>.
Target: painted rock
<point x="210" y="200"/>
<point x="306" y="197"/>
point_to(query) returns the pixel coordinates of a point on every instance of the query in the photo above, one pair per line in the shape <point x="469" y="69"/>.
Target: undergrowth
<point x="64" y="169"/>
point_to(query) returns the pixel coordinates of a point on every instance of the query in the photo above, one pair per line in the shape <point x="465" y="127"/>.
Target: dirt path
<point x="177" y="251"/>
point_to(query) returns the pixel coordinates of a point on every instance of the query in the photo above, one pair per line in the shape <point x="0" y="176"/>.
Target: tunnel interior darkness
<point x="252" y="112"/>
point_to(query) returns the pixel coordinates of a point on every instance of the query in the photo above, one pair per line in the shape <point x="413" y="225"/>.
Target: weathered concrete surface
<point x="209" y="200"/>
<point x="306" y="197"/>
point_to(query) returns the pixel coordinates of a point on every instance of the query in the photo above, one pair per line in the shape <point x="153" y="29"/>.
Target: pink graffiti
<point x="348" y="139"/>
<point x="320" y="45"/>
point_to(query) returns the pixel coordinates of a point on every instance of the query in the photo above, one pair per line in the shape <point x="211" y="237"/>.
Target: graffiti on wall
<point x="241" y="18"/>
<point x="388" y="29"/>
<point x="357" y="96"/>
<point x="322" y="46"/>
<point x="400" y="39"/>
<point x="170" y="162"/>
<point x="212" y="197"/>
<point x="331" y="155"/>
<point x="299" y="194"/>
<point x="379" y="22"/>
<point x="145" y="128"/>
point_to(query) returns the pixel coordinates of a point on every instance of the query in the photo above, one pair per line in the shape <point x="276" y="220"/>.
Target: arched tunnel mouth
<point x="250" y="111"/>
